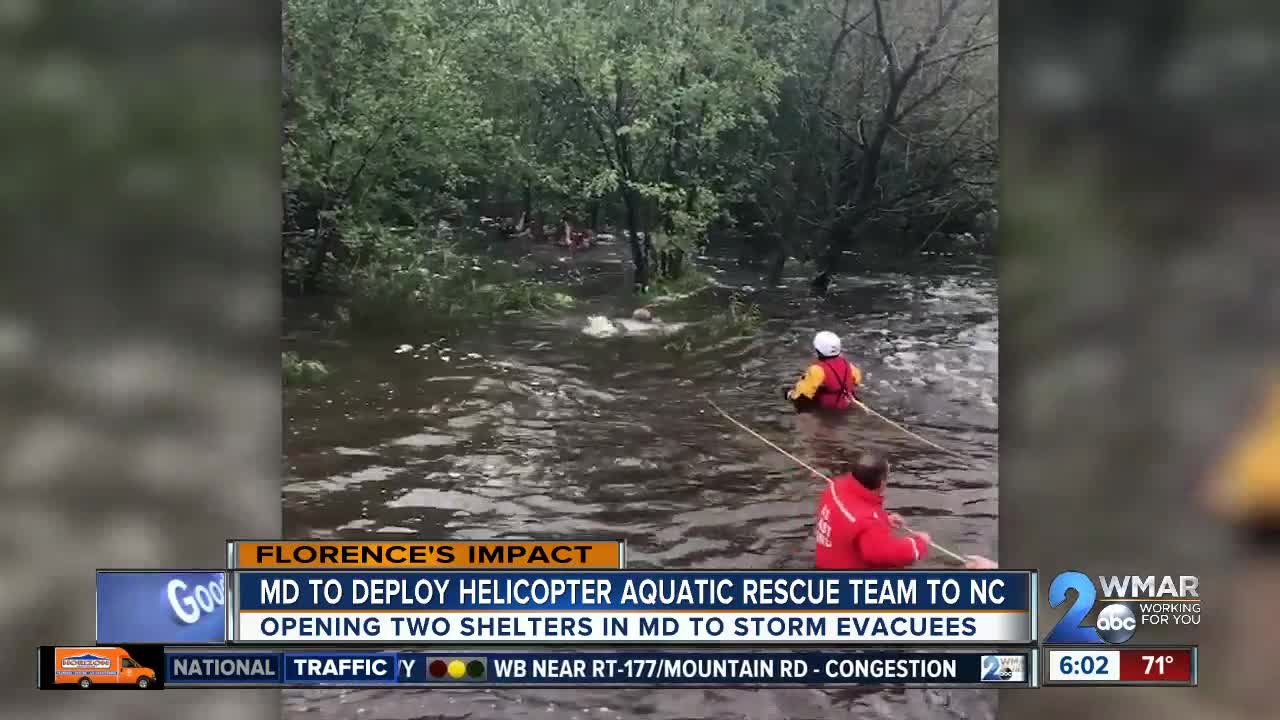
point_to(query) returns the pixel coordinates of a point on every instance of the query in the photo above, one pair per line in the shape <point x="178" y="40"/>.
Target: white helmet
<point x="827" y="344"/>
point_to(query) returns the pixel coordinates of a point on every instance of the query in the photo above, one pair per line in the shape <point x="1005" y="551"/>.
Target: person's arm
<point x="856" y="375"/>
<point x="807" y="386"/>
<point x="882" y="549"/>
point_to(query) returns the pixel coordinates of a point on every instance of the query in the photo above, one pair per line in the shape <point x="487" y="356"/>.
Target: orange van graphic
<point x="89" y="666"/>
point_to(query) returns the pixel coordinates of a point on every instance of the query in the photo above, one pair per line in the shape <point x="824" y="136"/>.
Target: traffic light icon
<point x="465" y="669"/>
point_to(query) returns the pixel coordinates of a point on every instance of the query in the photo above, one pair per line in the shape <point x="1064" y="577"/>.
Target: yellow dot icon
<point x="457" y="669"/>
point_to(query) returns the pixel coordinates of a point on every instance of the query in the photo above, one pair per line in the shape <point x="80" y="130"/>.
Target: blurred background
<point x="1139" y="299"/>
<point x="139" y="357"/>
<point x="139" y="316"/>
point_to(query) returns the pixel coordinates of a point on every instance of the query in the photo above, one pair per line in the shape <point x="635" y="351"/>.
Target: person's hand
<point x="923" y="537"/>
<point x="786" y="394"/>
<point x="896" y="521"/>
<point x="977" y="562"/>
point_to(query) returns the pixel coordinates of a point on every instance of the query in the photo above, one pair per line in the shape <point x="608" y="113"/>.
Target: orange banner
<point x="339" y="555"/>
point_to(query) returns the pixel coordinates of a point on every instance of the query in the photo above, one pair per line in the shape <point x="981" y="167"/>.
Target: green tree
<point x="767" y="121"/>
<point x="651" y="91"/>
<point x="383" y="122"/>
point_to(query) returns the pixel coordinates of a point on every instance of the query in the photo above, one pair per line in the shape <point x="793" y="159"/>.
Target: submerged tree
<point x="897" y="150"/>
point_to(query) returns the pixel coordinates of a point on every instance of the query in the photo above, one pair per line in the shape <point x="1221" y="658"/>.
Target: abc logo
<point x="1116" y="623"/>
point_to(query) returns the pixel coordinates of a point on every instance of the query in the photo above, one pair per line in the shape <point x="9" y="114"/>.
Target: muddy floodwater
<point x="548" y="428"/>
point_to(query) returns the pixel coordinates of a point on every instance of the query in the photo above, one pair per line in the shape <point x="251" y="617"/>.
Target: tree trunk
<point x="669" y="261"/>
<point x="779" y="260"/>
<point x="325" y="238"/>
<point x="852" y="215"/>
<point x="843" y="224"/>
<point x="675" y="153"/>
<point x="640" y="245"/>
<point x="899" y="77"/>
<point x="790" y="213"/>
<point x="802" y="170"/>
<point x="837" y="242"/>
<point x="639" y="254"/>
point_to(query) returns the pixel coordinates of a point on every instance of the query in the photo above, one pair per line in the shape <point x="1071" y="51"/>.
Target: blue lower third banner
<point x="673" y="668"/>
<point x="633" y="607"/>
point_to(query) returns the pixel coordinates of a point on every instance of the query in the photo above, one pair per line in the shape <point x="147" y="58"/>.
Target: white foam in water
<point x="423" y="440"/>
<point x="961" y="368"/>
<point x="640" y="327"/>
<point x="599" y="326"/>
<point x="952" y="289"/>
<point x="339" y="483"/>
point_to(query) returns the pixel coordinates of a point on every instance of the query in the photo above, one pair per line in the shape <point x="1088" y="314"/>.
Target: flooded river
<point x="536" y="429"/>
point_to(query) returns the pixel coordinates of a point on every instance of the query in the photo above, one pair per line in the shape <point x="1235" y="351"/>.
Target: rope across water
<point x="813" y="470"/>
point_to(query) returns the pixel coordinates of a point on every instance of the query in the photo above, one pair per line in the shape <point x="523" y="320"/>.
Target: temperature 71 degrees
<point x="1158" y="665"/>
<point x="1159" y="660"/>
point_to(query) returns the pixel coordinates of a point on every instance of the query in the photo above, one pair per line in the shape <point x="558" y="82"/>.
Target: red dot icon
<point x="438" y="668"/>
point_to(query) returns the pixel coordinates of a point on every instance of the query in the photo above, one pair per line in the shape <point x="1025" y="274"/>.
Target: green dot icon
<point x="475" y="669"/>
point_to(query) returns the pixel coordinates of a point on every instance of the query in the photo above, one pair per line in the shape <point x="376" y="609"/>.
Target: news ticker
<point x="149" y="666"/>
<point x="287" y="668"/>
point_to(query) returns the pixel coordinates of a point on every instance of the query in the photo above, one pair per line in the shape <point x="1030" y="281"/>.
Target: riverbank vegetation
<point x="404" y="278"/>
<point x="298" y="371"/>
<point x="739" y="319"/>
<point x="789" y="129"/>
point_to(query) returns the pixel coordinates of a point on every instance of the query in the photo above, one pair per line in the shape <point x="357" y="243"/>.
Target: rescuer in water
<point x="854" y="532"/>
<point x="830" y="381"/>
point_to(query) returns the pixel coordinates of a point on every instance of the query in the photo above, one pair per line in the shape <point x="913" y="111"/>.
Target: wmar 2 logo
<point x="1004" y="668"/>
<point x="1168" y="602"/>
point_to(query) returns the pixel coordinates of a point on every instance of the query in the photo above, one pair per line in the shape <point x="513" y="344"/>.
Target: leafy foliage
<point x="740" y="319"/>
<point x="297" y="371"/>
<point x="674" y="121"/>
<point x="407" y="280"/>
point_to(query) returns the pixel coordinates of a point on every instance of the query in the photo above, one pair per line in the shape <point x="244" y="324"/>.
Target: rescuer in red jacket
<point x="854" y="532"/>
